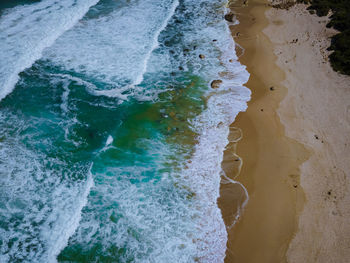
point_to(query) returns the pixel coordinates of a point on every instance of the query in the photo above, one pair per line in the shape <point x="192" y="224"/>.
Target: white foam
<point x="25" y="31"/>
<point x="114" y="93"/>
<point x="41" y="201"/>
<point x="204" y="172"/>
<point x="92" y="89"/>
<point x="64" y="97"/>
<point x="116" y="47"/>
<point x="58" y="237"/>
<point x="155" y="43"/>
<point x="155" y="222"/>
<point x="205" y="169"/>
<point x="245" y="202"/>
<point x="108" y="143"/>
<point x="109" y="140"/>
<point x="149" y="218"/>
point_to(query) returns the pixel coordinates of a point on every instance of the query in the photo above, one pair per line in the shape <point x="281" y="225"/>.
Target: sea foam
<point x="114" y="49"/>
<point x="25" y="31"/>
<point x="204" y="171"/>
<point x="39" y="206"/>
<point x="128" y="205"/>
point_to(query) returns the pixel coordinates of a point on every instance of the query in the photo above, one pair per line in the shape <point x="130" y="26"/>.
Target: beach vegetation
<point x="339" y="11"/>
<point x="339" y="20"/>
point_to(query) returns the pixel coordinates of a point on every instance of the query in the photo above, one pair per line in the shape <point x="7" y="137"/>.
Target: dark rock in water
<point x="181" y="68"/>
<point x="201" y="56"/>
<point x="215" y="83"/>
<point x="229" y="17"/>
<point x="220" y="124"/>
<point x="186" y="50"/>
<point x="214" y="40"/>
<point x="91" y="133"/>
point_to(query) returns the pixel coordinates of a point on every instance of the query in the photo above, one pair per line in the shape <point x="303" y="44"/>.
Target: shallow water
<point x="111" y="139"/>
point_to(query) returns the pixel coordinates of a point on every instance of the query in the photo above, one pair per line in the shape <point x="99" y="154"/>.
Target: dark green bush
<point x="340" y="20"/>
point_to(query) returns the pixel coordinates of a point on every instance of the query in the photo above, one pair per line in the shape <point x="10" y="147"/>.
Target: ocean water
<point x="111" y="138"/>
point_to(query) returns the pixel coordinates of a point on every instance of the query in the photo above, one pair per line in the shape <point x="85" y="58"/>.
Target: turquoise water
<point x="111" y="138"/>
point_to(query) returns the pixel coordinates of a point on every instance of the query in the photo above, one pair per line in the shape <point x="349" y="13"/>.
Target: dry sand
<point x="285" y="50"/>
<point x="316" y="112"/>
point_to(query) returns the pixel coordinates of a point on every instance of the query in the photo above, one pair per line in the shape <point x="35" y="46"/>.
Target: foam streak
<point x="155" y="43"/>
<point x="25" y="31"/>
<point x="71" y="223"/>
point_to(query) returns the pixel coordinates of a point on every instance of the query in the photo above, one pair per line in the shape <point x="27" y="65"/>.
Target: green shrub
<point x="340" y="20"/>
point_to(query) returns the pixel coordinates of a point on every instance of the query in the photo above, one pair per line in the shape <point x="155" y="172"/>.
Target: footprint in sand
<point x="348" y="114"/>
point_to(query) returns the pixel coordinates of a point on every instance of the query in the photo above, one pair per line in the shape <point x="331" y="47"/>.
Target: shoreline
<point x="270" y="159"/>
<point x="295" y="153"/>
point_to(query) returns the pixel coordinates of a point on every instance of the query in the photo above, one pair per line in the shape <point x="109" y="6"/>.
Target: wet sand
<point x="270" y="170"/>
<point x="296" y="174"/>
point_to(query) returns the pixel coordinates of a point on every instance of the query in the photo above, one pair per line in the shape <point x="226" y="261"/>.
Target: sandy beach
<point x="295" y="142"/>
